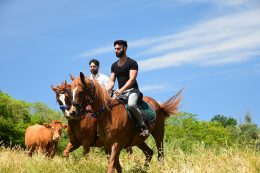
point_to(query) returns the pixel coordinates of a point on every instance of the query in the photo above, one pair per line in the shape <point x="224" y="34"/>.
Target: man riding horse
<point x="125" y="70"/>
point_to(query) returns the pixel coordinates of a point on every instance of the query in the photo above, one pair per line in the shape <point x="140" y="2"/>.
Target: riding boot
<point x="138" y="114"/>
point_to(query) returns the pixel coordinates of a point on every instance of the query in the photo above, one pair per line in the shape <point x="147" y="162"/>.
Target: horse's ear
<point x="72" y="77"/>
<point x="55" y="89"/>
<point x="82" y="78"/>
<point x="65" y="83"/>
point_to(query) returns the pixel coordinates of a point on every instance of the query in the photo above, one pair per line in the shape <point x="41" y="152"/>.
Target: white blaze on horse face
<point x="73" y="99"/>
<point x="62" y="99"/>
<point x="67" y="112"/>
<point x="74" y="92"/>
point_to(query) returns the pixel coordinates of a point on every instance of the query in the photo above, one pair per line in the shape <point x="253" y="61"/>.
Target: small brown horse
<point x="114" y="126"/>
<point x="81" y="131"/>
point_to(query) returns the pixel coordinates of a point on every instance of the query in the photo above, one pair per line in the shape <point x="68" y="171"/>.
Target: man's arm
<point x="130" y="82"/>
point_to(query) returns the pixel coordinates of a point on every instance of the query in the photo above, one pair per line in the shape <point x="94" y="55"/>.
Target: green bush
<point x="17" y="115"/>
<point x="185" y="131"/>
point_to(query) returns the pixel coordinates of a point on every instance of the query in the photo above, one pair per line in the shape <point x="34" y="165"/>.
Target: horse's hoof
<point x="146" y="164"/>
<point x="66" y="155"/>
<point x="161" y="160"/>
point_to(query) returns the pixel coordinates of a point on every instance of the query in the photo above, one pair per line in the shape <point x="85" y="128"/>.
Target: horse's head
<point x="63" y="97"/>
<point x="83" y="94"/>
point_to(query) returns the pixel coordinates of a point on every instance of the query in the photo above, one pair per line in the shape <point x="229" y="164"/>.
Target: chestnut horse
<point x="114" y="126"/>
<point x="81" y="131"/>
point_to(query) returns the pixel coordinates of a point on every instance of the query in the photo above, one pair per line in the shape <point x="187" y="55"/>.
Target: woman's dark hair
<point x="121" y="42"/>
<point x="95" y="61"/>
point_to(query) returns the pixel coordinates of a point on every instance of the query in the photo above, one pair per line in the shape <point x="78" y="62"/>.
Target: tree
<point x="186" y="130"/>
<point x="17" y="115"/>
<point x="14" y="115"/>
<point x="248" y="129"/>
<point x="224" y="120"/>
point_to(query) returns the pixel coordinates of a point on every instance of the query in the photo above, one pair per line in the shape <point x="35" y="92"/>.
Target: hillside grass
<point x="200" y="160"/>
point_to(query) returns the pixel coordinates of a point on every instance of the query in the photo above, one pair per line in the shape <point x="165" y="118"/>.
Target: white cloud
<point x="97" y="51"/>
<point x="230" y="38"/>
<point x="216" y="2"/>
<point x="149" y="88"/>
<point x="226" y="39"/>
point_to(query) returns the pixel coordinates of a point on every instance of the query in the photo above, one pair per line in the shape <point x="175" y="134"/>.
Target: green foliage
<point x="64" y="140"/>
<point x="16" y="116"/>
<point x="42" y="114"/>
<point x="183" y="131"/>
<point x="186" y="131"/>
<point x="225" y="121"/>
<point x="248" y="133"/>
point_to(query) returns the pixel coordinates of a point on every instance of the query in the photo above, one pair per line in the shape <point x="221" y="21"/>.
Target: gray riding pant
<point x="131" y="95"/>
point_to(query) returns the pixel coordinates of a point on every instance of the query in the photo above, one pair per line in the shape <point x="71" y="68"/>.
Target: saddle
<point x="148" y="113"/>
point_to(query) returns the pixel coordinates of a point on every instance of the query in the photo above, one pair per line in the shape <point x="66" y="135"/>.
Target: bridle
<point x="90" y="96"/>
<point x="65" y="107"/>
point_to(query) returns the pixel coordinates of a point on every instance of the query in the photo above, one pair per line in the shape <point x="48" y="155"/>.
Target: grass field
<point x="199" y="160"/>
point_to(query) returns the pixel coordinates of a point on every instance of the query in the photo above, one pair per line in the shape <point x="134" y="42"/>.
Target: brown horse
<point x="114" y="126"/>
<point x="81" y="131"/>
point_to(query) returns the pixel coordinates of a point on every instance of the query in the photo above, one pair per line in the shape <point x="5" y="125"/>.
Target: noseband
<point x="66" y="107"/>
<point x="90" y="96"/>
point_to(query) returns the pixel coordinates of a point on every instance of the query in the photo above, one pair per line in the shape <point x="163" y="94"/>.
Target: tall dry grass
<point x="199" y="160"/>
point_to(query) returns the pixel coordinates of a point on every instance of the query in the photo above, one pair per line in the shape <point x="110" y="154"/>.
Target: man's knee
<point x="132" y="105"/>
<point x="133" y="108"/>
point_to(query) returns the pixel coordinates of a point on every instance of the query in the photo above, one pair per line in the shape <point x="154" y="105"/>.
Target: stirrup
<point x="144" y="133"/>
<point x="144" y="130"/>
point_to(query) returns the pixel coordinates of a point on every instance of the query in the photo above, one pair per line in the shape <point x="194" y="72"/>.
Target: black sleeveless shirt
<point x="122" y="72"/>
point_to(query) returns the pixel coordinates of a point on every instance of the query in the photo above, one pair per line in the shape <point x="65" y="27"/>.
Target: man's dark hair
<point x="95" y="61"/>
<point x="121" y="42"/>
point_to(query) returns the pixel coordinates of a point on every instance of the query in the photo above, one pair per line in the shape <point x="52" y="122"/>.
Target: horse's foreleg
<point x="70" y="147"/>
<point x="86" y="148"/>
<point x="114" y="159"/>
<point x="148" y="152"/>
<point x="129" y="150"/>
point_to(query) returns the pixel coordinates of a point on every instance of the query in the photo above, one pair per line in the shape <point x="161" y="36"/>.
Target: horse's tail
<point x="170" y="107"/>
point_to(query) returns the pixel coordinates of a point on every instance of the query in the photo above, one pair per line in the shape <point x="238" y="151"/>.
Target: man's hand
<point x="118" y="92"/>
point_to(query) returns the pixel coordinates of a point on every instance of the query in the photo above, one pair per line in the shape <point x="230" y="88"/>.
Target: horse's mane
<point x="102" y="94"/>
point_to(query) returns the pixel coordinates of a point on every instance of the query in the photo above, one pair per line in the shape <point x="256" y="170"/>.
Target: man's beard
<point x="120" y="54"/>
<point x="94" y="72"/>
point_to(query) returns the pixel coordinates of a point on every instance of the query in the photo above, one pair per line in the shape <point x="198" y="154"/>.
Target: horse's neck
<point x="102" y="99"/>
<point x="96" y="106"/>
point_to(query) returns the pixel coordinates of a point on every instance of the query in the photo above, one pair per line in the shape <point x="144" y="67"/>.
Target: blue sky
<point x="209" y="47"/>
